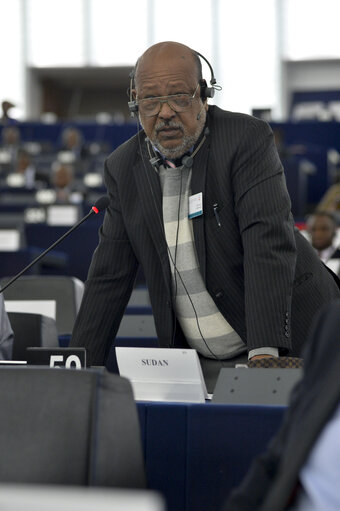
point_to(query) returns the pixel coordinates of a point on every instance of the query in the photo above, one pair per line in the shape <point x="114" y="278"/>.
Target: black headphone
<point x="206" y="92"/>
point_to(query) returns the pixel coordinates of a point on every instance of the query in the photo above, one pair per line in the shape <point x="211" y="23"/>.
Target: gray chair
<point x="69" y="427"/>
<point x="31" y="330"/>
<point x="66" y="291"/>
<point x="56" y="498"/>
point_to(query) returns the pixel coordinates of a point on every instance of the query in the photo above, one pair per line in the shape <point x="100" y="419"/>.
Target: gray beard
<point x="187" y="142"/>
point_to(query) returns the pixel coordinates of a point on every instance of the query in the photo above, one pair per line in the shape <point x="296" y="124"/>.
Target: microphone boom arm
<point x="93" y="210"/>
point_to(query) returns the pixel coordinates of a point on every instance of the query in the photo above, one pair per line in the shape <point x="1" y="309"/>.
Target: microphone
<point x="187" y="161"/>
<point x="100" y="204"/>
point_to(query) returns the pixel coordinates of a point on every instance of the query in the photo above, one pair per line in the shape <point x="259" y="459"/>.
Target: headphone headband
<point x="206" y="92"/>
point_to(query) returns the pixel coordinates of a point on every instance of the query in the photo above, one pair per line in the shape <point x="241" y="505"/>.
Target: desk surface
<point x="196" y="453"/>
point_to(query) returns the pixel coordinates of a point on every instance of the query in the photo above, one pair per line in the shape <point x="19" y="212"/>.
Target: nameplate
<point x="62" y="215"/>
<point x="159" y="374"/>
<point x="70" y="358"/>
<point x="9" y="240"/>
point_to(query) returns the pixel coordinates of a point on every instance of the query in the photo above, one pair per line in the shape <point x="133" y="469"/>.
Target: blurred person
<point x="10" y="143"/>
<point x="26" y="168"/>
<point x="73" y="150"/>
<point x="6" y="106"/>
<point x="32" y="178"/>
<point x="63" y="183"/>
<point x="198" y="199"/>
<point x="322" y="228"/>
<point x="300" y="469"/>
<point x="72" y="140"/>
<point x="6" y="333"/>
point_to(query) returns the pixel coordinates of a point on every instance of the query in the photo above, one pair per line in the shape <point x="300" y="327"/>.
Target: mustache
<point x="168" y="124"/>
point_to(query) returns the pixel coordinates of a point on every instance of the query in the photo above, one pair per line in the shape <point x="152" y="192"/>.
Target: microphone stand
<point x="49" y="248"/>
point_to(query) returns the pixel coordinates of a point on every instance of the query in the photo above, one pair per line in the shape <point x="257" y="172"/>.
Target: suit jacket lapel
<point x="150" y="196"/>
<point x="198" y="179"/>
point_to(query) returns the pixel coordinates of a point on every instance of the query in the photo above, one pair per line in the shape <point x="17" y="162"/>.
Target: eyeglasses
<point x="177" y="102"/>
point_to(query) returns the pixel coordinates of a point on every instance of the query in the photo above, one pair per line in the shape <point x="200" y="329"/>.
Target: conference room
<point x="169" y="254"/>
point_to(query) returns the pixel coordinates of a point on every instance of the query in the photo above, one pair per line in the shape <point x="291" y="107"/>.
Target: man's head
<point x="10" y="136"/>
<point x="170" y="69"/>
<point x="6" y="107"/>
<point x="24" y="160"/>
<point x="322" y="228"/>
<point x="62" y="175"/>
<point x="71" y="138"/>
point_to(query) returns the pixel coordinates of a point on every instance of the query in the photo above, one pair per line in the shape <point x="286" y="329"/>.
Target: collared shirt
<point x="327" y="253"/>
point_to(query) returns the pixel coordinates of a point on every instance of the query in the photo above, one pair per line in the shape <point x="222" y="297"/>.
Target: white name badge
<point x="159" y="374"/>
<point x="195" y="205"/>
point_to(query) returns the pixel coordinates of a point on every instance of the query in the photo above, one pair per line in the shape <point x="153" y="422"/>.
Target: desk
<point x="196" y="453"/>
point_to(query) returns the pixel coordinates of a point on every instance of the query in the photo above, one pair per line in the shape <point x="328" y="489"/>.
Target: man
<point x="202" y="205"/>
<point x="25" y="167"/>
<point x="300" y="470"/>
<point x="6" y="106"/>
<point x="322" y="228"/>
<point x="10" y="144"/>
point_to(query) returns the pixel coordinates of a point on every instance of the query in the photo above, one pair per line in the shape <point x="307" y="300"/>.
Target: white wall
<point x="245" y="40"/>
<point x="309" y="75"/>
<point x="12" y="54"/>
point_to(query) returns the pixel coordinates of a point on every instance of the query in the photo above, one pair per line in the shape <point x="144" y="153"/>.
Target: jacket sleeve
<point x="110" y="282"/>
<point x="262" y="206"/>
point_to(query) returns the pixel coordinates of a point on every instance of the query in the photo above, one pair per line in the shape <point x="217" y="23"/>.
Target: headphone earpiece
<point x="133" y="107"/>
<point x="132" y="104"/>
<point x="206" y="92"/>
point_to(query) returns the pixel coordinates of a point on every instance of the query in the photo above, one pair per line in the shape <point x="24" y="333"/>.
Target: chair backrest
<point x="66" y="291"/>
<point x="69" y="427"/>
<point x="54" y="498"/>
<point x="31" y="330"/>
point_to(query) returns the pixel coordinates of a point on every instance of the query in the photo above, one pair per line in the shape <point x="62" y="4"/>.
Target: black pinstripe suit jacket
<point x="264" y="277"/>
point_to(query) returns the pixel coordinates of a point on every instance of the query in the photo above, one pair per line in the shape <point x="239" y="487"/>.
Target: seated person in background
<point x="300" y="470"/>
<point x="62" y="181"/>
<point x="6" y="106"/>
<point x="25" y="167"/>
<point x="6" y="333"/>
<point x="10" y="143"/>
<point x="322" y="228"/>
<point x="32" y="179"/>
<point x="72" y="150"/>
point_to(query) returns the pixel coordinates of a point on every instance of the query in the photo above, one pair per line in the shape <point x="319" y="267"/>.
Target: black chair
<point x="69" y="427"/>
<point x="66" y="291"/>
<point x="31" y="330"/>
